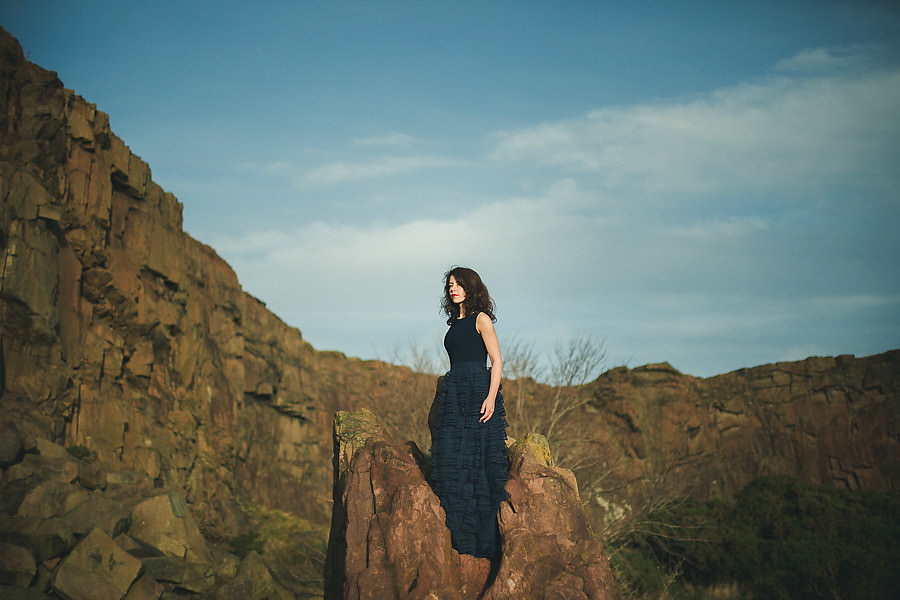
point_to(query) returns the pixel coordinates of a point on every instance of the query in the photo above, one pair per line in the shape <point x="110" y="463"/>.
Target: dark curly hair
<point x="477" y="297"/>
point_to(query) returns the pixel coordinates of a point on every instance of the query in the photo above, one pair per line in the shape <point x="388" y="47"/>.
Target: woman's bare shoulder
<point x="483" y="322"/>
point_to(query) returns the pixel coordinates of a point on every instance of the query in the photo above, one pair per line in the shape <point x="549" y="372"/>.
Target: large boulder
<point x="389" y="538"/>
<point x="96" y="569"/>
<point x="164" y="522"/>
<point x="548" y="548"/>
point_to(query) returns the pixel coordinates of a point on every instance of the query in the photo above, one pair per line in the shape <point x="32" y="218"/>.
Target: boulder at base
<point x="389" y="540"/>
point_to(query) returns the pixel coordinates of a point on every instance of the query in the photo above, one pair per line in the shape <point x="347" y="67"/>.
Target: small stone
<point x="91" y="476"/>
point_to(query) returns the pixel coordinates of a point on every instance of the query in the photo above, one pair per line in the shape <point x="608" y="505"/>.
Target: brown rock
<point x="182" y="573"/>
<point x="96" y="568"/>
<point x="253" y="582"/>
<point x="10" y="444"/>
<point x="63" y="469"/>
<point x="20" y="593"/>
<point x="145" y="588"/>
<point x="46" y="538"/>
<point x="164" y="522"/>
<point x="389" y="540"/>
<point x="17" y="566"/>
<point x="128" y="484"/>
<point x="91" y="476"/>
<point x="49" y="450"/>
<point x="548" y="548"/>
<point x="99" y="512"/>
<point x="12" y="492"/>
<point x="51" y="499"/>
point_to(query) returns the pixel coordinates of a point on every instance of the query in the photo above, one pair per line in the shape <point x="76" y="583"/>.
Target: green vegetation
<point x="292" y="548"/>
<point x="779" y="538"/>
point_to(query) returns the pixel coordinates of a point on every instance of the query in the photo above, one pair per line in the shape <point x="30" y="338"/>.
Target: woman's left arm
<point x="485" y="327"/>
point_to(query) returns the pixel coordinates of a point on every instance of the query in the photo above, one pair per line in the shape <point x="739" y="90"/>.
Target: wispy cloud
<point x="392" y="139"/>
<point x="591" y="250"/>
<point x="730" y="227"/>
<point x="781" y="132"/>
<point x="818" y="61"/>
<point x="386" y="166"/>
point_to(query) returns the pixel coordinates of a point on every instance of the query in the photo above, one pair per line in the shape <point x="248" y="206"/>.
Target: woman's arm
<point x="485" y="327"/>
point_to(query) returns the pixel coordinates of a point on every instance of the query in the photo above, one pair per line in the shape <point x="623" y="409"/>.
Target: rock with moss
<point x="352" y="430"/>
<point x="548" y="547"/>
<point x="389" y="538"/>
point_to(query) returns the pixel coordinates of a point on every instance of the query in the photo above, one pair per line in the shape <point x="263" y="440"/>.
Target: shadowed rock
<point x="17" y="566"/>
<point x="253" y="582"/>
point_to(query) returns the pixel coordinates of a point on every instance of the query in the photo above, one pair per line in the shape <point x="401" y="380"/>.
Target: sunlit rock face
<point x="389" y="540"/>
<point x="825" y="420"/>
<point x="122" y="334"/>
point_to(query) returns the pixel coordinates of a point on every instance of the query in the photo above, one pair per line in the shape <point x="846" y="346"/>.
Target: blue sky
<point x="711" y="184"/>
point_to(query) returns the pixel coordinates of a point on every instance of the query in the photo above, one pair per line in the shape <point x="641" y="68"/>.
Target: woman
<point x="468" y="445"/>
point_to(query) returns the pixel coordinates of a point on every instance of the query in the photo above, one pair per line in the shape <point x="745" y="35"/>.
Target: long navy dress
<point x="468" y="458"/>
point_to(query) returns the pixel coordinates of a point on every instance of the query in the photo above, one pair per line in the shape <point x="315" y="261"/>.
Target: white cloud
<point x="593" y="252"/>
<point x="387" y="166"/>
<point x="729" y="227"/>
<point x="824" y="60"/>
<point x="775" y="134"/>
<point x="392" y="139"/>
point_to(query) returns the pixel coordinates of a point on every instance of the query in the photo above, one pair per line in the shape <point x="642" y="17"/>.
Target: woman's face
<point x="457" y="293"/>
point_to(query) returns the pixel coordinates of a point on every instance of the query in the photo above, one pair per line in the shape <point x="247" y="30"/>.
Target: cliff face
<point x="120" y="333"/>
<point x="830" y="421"/>
<point x="123" y="334"/>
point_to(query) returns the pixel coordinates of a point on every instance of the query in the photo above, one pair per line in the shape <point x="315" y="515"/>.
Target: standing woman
<point x="468" y="444"/>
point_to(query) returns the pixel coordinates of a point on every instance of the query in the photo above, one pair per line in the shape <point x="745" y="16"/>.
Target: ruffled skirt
<point x="468" y="459"/>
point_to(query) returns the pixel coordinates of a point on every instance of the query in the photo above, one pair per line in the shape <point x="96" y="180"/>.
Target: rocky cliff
<point x="124" y="338"/>
<point x="122" y="334"/>
<point x="388" y="538"/>
<point x="657" y="432"/>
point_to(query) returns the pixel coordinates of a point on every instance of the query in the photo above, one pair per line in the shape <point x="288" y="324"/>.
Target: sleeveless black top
<point x="464" y="343"/>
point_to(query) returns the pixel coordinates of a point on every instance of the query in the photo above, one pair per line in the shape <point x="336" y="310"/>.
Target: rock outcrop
<point x="826" y="420"/>
<point x="122" y="334"/>
<point x="389" y="540"/>
<point x="123" y="337"/>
